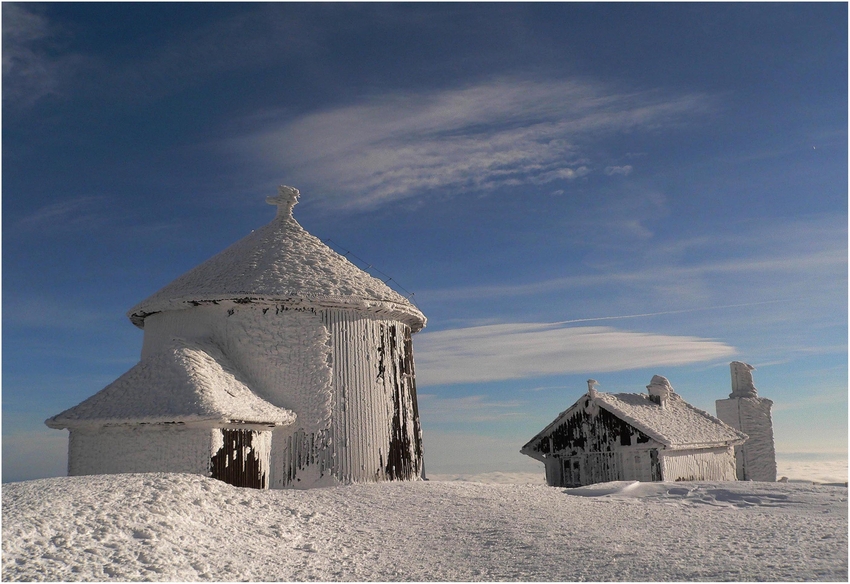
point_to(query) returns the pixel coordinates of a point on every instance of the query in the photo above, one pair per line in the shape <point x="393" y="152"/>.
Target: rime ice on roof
<point x="660" y="389"/>
<point x="281" y="263"/>
<point x="184" y="382"/>
<point x="677" y="424"/>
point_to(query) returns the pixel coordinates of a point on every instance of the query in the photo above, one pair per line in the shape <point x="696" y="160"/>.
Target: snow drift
<point x="187" y="527"/>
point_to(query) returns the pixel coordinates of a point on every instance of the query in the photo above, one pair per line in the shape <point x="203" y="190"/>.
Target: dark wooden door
<point x="236" y="462"/>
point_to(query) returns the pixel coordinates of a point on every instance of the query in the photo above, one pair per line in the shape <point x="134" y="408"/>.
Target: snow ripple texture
<point x="187" y="527"/>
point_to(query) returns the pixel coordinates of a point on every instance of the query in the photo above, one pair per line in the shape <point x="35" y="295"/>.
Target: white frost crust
<point x="287" y="358"/>
<point x="280" y="263"/>
<point x="282" y="355"/>
<point x="715" y="464"/>
<point x="148" y="448"/>
<point x="185" y="381"/>
<point x="676" y="425"/>
<point x="756" y="458"/>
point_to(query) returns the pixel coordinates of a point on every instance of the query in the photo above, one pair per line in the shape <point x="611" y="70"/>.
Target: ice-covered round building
<point x="305" y="330"/>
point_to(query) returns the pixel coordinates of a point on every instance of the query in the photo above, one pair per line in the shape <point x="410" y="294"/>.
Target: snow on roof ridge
<point x="280" y="262"/>
<point x="666" y="424"/>
<point x="184" y="382"/>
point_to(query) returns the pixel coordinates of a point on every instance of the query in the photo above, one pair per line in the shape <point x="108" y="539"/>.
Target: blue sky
<point x="570" y="190"/>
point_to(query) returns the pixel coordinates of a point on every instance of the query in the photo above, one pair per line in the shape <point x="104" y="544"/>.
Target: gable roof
<point x="675" y="425"/>
<point x="184" y="382"/>
<point x="282" y="263"/>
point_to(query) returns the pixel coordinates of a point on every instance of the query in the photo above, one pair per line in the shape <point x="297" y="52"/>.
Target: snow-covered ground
<point x="187" y="527"/>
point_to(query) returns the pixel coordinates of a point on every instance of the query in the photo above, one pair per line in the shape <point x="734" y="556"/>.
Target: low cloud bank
<point x="514" y="351"/>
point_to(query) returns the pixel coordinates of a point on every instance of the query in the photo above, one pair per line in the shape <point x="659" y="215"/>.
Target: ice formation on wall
<point x="742" y="380"/>
<point x="745" y="411"/>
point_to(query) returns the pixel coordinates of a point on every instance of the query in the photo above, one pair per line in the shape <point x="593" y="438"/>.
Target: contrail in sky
<point x="668" y="312"/>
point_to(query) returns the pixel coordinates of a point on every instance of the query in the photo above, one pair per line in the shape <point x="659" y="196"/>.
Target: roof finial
<point x="286" y="198"/>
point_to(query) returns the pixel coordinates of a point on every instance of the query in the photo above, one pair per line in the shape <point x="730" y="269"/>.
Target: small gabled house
<point x="183" y="408"/>
<point x="655" y="436"/>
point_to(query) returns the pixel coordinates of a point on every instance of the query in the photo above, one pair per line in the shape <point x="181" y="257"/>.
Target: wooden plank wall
<point x="237" y="462"/>
<point x="375" y="433"/>
<point x="699" y="465"/>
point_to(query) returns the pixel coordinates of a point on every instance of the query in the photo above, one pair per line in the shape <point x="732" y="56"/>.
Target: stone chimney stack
<point x="755" y="459"/>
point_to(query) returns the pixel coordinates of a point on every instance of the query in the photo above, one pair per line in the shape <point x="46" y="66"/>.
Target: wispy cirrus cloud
<point x="518" y="350"/>
<point x="77" y="212"/>
<point x="506" y="132"/>
<point x="625" y="170"/>
<point x="32" y="67"/>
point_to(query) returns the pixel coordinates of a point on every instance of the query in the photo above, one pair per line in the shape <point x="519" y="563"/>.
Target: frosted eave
<point x="406" y="313"/>
<point x="280" y="264"/>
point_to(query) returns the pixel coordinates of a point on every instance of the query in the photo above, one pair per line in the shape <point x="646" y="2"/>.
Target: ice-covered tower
<point x="305" y="330"/>
<point x="745" y="411"/>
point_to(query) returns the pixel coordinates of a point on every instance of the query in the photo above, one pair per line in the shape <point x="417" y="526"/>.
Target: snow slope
<point x="187" y="527"/>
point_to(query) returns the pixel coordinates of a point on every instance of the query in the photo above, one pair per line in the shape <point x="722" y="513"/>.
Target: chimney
<point x="742" y="380"/>
<point x="659" y="389"/>
<point x="591" y="388"/>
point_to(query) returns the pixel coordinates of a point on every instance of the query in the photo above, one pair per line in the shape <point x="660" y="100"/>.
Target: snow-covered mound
<point x="186" y="527"/>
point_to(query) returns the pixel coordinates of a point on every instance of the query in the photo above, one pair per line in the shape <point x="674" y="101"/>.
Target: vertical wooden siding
<point x="699" y="465"/>
<point x="375" y="434"/>
<point x="591" y="445"/>
<point x="238" y="462"/>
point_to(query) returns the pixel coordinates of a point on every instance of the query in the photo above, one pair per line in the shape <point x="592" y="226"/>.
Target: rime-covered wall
<point x="237" y="456"/>
<point x="283" y="355"/>
<point x="756" y="458"/>
<point x="589" y="428"/>
<point x="240" y="457"/>
<point x="717" y="464"/>
<point x="149" y="448"/>
<point x="375" y="434"/>
<point x="347" y="375"/>
<point x="631" y="463"/>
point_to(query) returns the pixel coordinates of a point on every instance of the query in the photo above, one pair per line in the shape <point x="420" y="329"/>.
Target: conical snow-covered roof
<point x="281" y="263"/>
<point x="184" y="382"/>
